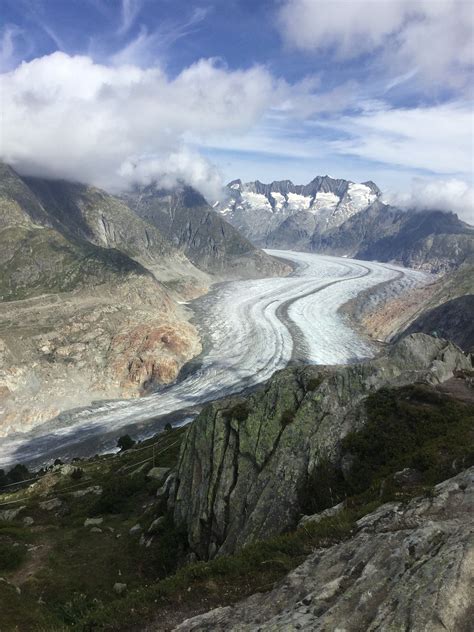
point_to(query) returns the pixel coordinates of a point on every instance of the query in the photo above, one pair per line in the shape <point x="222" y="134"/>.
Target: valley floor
<point x="250" y="329"/>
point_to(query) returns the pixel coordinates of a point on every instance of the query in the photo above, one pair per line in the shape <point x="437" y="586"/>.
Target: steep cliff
<point x="244" y="462"/>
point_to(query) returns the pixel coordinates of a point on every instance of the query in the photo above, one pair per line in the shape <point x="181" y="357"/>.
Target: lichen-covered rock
<point x="243" y="461"/>
<point x="407" y="568"/>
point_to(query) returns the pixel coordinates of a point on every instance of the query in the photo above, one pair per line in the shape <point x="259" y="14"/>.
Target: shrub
<point x="287" y="417"/>
<point x="116" y="494"/>
<point x="18" y="473"/>
<point x="239" y="411"/>
<point x="410" y="427"/>
<point x="325" y="487"/>
<point x="413" y="427"/>
<point x="11" y="556"/>
<point x="77" y="474"/>
<point x="125" y="442"/>
<point x="313" y="383"/>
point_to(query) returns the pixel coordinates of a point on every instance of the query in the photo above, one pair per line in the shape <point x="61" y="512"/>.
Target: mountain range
<point x="92" y="285"/>
<point x="340" y="217"/>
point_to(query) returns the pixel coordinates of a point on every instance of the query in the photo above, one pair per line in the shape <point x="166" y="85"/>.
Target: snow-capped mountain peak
<point x="258" y="209"/>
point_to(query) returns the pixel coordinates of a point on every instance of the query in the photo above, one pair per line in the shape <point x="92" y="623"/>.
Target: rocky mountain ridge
<point x="185" y="218"/>
<point x="339" y="217"/>
<point x="243" y="461"/>
<point x="258" y="210"/>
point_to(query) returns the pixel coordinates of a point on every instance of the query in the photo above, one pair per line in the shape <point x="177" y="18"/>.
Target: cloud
<point x="13" y="44"/>
<point x="129" y="13"/>
<point x="65" y="116"/>
<point x="147" y="46"/>
<point x="443" y="195"/>
<point x="179" y="166"/>
<point x="431" y="37"/>
<point x="436" y="138"/>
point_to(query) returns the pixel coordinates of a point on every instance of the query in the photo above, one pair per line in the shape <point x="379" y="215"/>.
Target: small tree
<point x="125" y="443"/>
<point x="3" y="479"/>
<point x="77" y="474"/>
<point x="18" y="473"/>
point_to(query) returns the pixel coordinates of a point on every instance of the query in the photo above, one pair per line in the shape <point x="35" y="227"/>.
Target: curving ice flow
<point x="252" y="329"/>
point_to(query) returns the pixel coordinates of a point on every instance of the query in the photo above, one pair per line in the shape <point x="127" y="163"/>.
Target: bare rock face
<point x="407" y="568"/>
<point x="59" y="352"/>
<point x="243" y="462"/>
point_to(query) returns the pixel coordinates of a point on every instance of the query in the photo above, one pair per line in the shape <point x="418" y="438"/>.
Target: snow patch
<point x="279" y="200"/>
<point x="256" y="201"/>
<point x="298" y="202"/>
<point x="360" y="196"/>
<point x="325" y="201"/>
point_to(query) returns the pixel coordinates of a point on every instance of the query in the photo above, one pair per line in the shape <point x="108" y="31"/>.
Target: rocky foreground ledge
<point x="244" y="460"/>
<point x="408" y="567"/>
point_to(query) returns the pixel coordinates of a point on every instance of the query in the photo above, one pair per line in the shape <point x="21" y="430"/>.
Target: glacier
<point x="251" y="329"/>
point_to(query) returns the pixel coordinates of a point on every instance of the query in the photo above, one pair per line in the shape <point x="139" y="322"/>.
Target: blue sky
<point x="112" y="90"/>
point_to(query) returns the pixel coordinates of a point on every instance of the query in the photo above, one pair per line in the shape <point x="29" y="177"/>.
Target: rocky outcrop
<point x="244" y="461"/>
<point x="408" y="567"/>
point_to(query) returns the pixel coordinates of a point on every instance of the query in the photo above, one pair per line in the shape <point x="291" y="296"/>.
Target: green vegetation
<point x="412" y="427"/>
<point x="287" y="417"/>
<point x="314" y="383"/>
<point x="66" y="570"/>
<point x="125" y="443"/>
<point x="72" y="568"/>
<point x="225" y="579"/>
<point x="239" y="411"/>
<point x="11" y="555"/>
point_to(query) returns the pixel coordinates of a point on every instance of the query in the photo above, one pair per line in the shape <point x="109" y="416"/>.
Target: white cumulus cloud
<point x="183" y="165"/>
<point x="66" y="116"/>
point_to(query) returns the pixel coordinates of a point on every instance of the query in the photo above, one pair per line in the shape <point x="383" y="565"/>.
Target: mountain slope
<point x="433" y="240"/>
<point x="442" y="307"/>
<point x="184" y="217"/>
<point x="94" y="215"/>
<point x="36" y="258"/>
<point x="79" y="319"/>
